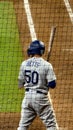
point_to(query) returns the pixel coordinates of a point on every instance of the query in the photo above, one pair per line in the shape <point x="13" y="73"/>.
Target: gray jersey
<point x="36" y="73"/>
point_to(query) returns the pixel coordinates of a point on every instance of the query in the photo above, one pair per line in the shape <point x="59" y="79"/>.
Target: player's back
<point x="35" y="71"/>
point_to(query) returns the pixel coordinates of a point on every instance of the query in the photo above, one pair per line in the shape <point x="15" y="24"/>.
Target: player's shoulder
<point x="46" y="62"/>
<point x="47" y="65"/>
<point x="23" y="63"/>
<point x="26" y="61"/>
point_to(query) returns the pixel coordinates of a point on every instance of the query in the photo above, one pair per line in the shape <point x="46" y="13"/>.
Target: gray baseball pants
<point x="35" y="104"/>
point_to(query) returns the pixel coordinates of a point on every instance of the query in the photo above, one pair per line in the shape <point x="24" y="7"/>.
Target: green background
<point x="10" y="59"/>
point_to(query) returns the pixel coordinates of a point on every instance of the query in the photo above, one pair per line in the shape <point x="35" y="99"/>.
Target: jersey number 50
<point x="31" y="77"/>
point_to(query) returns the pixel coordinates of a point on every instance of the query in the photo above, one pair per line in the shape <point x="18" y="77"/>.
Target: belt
<point x="37" y="91"/>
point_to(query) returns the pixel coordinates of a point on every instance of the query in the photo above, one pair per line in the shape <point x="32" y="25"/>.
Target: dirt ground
<point x="9" y="121"/>
<point x="47" y="13"/>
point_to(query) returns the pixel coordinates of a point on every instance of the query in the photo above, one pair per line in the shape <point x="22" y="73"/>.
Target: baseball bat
<point x="52" y="35"/>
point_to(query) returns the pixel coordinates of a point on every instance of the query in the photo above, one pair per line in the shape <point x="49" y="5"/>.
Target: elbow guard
<point x="52" y="84"/>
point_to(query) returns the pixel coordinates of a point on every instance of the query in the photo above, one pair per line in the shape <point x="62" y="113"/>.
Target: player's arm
<point x="51" y="77"/>
<point x="20" y="84"/>
<point x="21" y="80"/>
<point x="52" y="84"/>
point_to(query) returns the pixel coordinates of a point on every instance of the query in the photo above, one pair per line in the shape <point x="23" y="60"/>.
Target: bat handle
<point x="52" y="35"/>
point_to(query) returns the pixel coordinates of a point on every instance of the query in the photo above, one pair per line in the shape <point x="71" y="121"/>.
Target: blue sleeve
<point x="52" y="84"/>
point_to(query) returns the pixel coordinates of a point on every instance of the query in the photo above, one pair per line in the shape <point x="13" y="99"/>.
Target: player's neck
<point x="37" y="55"/>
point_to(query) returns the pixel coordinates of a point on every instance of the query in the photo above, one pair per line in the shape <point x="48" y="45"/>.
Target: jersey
<point x="36" y="73"/>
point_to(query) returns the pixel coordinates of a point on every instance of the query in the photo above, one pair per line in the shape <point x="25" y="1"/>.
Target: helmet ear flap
<point x="28" y="52"/>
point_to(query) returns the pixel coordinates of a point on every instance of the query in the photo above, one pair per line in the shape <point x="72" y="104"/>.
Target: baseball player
<point x="37" y="76"/>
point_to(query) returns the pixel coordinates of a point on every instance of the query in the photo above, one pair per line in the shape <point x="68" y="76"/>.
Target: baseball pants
<point x="35" y="104"/>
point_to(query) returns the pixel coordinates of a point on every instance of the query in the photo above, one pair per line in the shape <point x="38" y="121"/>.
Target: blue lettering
<point x="31" y="77"/>
<point x="33" y="63"/>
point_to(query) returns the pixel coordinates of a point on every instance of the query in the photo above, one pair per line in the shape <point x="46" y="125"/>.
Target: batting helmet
<point x="36" y="47"/>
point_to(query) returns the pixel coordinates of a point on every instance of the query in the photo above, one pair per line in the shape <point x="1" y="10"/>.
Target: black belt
<point x="27" y="90"/>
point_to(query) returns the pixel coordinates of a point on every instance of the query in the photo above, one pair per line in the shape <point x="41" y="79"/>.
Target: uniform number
<point x="31" y="77"/>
